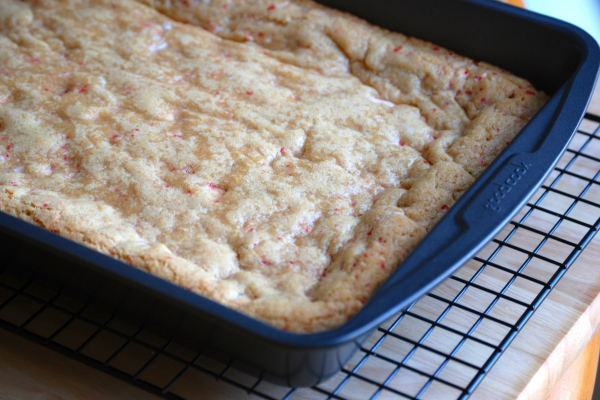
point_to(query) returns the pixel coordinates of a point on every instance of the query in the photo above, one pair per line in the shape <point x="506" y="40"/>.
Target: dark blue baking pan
<point x="556" y="57"/>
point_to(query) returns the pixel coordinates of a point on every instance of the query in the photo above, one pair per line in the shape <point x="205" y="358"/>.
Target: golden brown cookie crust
<point x="282" y="161"/>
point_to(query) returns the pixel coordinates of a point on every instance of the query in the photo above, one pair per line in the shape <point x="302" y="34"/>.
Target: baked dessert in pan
<point x="280" y="158"/>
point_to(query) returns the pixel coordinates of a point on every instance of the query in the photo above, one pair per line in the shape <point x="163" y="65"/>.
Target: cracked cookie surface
<point x="279" y="158"/>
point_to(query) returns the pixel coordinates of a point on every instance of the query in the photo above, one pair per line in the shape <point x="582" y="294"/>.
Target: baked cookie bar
<point x="280" y="158"/>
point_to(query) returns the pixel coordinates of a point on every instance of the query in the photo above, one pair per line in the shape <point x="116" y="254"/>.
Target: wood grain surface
<point x="578" y="382"/>
<point x="538" y="357"/>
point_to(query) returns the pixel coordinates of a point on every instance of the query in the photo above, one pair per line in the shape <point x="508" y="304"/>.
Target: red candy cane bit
<point x="380" y="240"/>
<point x="445" y="207"/>
<point x="261" y="34"/>
<point x="468" y="92"/>
<point x="466" y="72"/>
<point x="47" y="90"/>
<point x="401" y="143"/>
<point x="530" y="92"/>
<point x="282" y="149"/>
<point x="436" y="48"/>
<point x="369" y="233"/>
<point x="271" y="8"/>
<point x="13" y="183"/>
<point x="397" y="49"/>
<point x="189" y="191"/>
<point x="83" y="89"/>
<point x="483" y="100"/>
<point x="383" y="265"/>
<point x="8" y="147"/>
<point x="45" y="205"/>
<point x="251" y="230"/>
<point x="249" y="92"/>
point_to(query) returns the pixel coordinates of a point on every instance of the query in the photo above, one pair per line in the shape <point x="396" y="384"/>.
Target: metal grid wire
<point x="441" y="347"/>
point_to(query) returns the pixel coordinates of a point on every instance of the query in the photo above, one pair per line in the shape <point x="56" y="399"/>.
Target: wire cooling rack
<point x="441" y="347"/>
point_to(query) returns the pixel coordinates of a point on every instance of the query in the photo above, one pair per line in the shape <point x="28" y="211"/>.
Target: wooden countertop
<point x="529" y="368"/>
